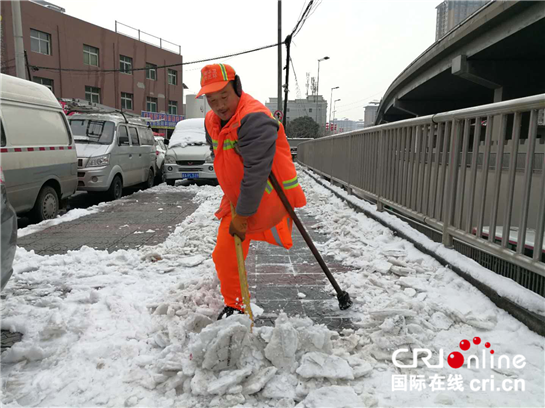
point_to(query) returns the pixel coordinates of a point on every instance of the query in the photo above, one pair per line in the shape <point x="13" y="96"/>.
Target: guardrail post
<point x="331" y="161"/>
<point x="380" y="172"/>
<point x="349" y="188"/>
<point x="451" y="182"/>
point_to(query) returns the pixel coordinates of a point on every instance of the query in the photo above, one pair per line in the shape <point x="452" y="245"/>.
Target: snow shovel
<point x="242" y="275"/>
<point x="343" y="297"/>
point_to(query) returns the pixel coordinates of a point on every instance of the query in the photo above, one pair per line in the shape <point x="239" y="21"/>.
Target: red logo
<point x="456" y="359"/>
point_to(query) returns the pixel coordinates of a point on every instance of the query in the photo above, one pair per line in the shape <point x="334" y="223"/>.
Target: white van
<point x="188" y="155"/>
<point x="114" y="151"/>
<point x="38" y="154"/>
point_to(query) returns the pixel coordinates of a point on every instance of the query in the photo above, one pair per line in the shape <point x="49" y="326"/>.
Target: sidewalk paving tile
<point x="276" y="278"/>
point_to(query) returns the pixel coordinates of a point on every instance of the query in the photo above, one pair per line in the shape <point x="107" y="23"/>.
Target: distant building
<point x="450" y="13"/>
<point x="196" y="107"/>
<point x="346" y="125"/>
<point x="313" y="106"/>
<point x="62" y="43"/>
<point x="370" y="114"/>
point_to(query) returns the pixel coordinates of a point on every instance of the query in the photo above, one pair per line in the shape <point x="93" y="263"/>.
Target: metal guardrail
<point x="491" y="198"/>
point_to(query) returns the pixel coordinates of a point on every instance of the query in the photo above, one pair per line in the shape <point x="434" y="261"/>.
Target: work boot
<point x="228" y="311"/>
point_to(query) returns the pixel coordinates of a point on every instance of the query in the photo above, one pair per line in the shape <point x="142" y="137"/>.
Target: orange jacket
<point x="243" y="165"/>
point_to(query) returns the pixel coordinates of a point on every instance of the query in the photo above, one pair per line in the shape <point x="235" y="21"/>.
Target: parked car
<point x="8" y="239"/>
<point x="38" y="153"/>
<point x="114" y="151"/>
<point x="188" y="155"/>
<point x="160" y="151"/>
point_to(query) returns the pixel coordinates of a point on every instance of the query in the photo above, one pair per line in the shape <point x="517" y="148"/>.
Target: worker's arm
<point x="257" y="145"/>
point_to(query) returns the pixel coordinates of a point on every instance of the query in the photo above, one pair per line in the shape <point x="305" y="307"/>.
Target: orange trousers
<point x="225" y="257"/>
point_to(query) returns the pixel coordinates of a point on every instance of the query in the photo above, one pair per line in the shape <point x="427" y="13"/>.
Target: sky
<point x="369" y="43"/>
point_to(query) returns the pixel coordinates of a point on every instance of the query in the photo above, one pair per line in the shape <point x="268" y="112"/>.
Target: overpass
<point x="496" y="54"/>
<point x="458" y="149"/>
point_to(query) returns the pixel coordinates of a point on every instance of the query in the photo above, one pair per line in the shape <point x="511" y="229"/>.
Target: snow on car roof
<point x="187" y="132"/>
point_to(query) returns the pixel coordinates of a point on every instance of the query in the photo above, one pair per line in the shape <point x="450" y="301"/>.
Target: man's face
<point x="224" y="103"/>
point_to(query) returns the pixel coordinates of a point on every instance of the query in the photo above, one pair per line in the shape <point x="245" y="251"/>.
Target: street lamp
<point x="331" y="103"/>
<point x="318" y="86"/>
<point x="334" y="111"/>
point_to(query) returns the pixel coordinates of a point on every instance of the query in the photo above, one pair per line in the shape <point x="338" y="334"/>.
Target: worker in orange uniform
<point x="247" y="143"/>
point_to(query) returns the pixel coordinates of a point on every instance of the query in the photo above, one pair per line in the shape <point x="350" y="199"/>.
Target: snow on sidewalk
<point x="69" y="216"/>
<point x="137" y="328"/>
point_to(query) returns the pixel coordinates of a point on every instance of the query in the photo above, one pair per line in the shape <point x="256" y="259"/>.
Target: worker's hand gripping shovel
<point x="242" y="276"/>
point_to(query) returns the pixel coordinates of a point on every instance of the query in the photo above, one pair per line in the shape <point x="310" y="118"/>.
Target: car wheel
<point x="171" y="182"/>
<point x="47" y="205"/>
<point x="150" y="181"/>
<point x="116" y="189"/>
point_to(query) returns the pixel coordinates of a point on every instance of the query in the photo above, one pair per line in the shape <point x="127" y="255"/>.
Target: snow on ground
<point x="505" y="287"/>
<point x="138" y="328"/>
<point x="82" y="212"/>
<point x="69" y="216"/>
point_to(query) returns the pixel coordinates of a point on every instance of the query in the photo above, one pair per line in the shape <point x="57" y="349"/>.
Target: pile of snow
<point x="138" y="327"/>
<point x="188" y="132"/>
<point x="227" y="363"/>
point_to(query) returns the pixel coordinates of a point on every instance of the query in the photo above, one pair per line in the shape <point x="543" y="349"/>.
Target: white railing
<point x="406" y="166"/>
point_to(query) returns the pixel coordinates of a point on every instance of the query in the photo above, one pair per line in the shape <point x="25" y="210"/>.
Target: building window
<point x="151" y="104"/>
<point x="92" y="94"/>
<point x="40" y="42"/>
<point x="44" y="81"/>
<point x="172" y="77"/>
<point x="151" y="71"/>
<point x="90" y="55"/>
<point x="125" y="64"/>
<point x="173" y="107"/>
<point x="310" y="110"/>
<point x="126" y="101"/>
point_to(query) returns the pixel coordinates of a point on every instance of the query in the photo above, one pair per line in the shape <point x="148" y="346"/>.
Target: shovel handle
<point x="304" y="233"/>
<point x="242" y="274"/>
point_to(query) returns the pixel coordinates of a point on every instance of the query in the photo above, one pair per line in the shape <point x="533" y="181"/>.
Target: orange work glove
<point x="239" y="226"/>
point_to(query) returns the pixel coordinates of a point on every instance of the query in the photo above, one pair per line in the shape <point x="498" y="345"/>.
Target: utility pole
<point x="317" y="89"/>
<point x="18" y="39"/>
<point x="279" y="105"/>
<point x="334" y="111"/>
<point x="331" y="105"/>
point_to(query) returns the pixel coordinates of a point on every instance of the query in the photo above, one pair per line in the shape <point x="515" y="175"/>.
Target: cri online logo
<point x="457" y="360"/>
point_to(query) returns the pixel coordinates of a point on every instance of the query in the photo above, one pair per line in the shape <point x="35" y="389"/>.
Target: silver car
<point x="189" y="156"/>
<point x="9" y="233"/>
<point x="114" y="152"/>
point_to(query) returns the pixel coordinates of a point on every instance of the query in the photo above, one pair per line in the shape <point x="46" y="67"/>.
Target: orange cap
<point x="215" y="77"/>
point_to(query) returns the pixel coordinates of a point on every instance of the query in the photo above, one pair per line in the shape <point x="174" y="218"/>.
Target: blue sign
<point x="165" y="120"/>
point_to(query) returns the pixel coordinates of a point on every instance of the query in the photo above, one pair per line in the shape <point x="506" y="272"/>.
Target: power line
<point x="97" y="71"/>
<point x="360" y="100"/>
<point x="302" y="20"/>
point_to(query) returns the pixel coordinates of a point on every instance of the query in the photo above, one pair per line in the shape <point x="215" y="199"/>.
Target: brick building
<point x="56" y="40"/>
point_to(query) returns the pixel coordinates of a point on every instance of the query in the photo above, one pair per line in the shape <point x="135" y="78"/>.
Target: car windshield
<point x="92" y="131"/>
